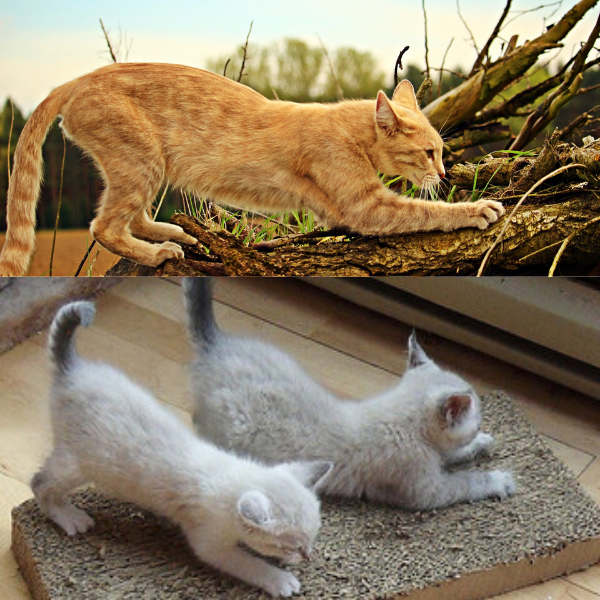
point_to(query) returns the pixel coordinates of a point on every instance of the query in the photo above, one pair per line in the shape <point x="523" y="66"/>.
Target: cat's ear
<point x="254" y="509"/>
<point x="416" y="354"/>
<point x="385" y="117"/>
<point x="311" y="474"/>
<point x="405" y="94"/>
<point x="455" y="407"/>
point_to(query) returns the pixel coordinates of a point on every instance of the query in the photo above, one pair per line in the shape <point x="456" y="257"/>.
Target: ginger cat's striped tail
<point x="24" y="188"/>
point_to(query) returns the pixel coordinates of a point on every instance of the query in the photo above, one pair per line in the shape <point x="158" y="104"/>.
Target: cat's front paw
<point x="484" y="443"/>
<point x="501" y="484"/>
<point x="168" y="250"/>
<point x="282" y="584"/>
<point x="485" y="212"/>
<point x="70" y="518"/>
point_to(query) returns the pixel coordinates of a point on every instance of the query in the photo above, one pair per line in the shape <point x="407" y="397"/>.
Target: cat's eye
<point x="429" y="154"/>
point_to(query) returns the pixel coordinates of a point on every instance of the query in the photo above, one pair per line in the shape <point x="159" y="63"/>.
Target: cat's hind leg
<point x="143" y="227"/>
<point x="122" y="203"/>
<point x="52" y="483"/>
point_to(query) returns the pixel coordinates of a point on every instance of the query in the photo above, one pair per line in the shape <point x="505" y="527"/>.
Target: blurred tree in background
<point x="298" y="72"/>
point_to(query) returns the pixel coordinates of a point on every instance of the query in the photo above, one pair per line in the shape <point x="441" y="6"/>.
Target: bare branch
<point x="225" y="68"/>
<point x="338" y="87"/>
<point x="426" y="41"/>
<point x="547" y="110"/>
<point x="545" y="113"/>
<point x="245" y="49"/>
<point x="439" y="90"/>
<point x="456" y="73"/>
<point x="588" y="89"/>
<point x="581" y="121"/>
<point x="520" y="13"/>
<point x="467" y="27"/>
<point x="110" y="49"/>
<point x="399" y="64"/>
<point x="484" y="51"/>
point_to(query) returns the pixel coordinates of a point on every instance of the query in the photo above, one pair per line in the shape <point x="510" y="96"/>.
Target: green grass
<point x="475" y="193"/>
<point x="250" y="227"/>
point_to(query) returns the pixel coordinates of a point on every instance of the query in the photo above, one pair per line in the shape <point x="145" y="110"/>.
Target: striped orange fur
<point x="148" y="124"/>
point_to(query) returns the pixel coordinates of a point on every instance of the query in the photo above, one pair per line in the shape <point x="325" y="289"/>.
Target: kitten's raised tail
<point x="60" y="341"/>
<point x="201" y="319"/>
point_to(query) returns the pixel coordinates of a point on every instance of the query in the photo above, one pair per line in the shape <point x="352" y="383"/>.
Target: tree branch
<point x="464" y="101"/>
<point x="245" y="49"/>
<point x="484" y="51"/>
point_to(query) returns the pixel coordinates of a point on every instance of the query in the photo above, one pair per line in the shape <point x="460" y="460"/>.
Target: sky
<point x="44" y="43"/>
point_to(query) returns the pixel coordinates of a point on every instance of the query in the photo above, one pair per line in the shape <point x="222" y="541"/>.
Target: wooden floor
<point x="140" y="327"/>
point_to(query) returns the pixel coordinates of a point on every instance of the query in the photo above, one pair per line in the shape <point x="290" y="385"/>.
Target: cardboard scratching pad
<point x="466" y="552"/>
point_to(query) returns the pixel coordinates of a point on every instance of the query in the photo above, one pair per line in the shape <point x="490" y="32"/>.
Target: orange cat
<point x="147" y="124"/>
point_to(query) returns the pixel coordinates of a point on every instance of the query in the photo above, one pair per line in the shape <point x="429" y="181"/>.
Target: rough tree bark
<point x="455" y="253"/>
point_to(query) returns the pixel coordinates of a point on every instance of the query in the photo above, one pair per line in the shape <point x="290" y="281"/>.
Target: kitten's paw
<point x="484" y="443"/>
<point x="71" y="519"/>
<point x="485" y="212"/>
<point x="282" y="583"/>
<point x="168" y="250"/>
<point x="502" y="484"/>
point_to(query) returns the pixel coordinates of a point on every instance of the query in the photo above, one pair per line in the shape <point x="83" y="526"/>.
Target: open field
<point x="71" y="245"/>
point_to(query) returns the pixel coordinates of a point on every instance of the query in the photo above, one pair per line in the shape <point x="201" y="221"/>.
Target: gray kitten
<point x="109" y="431"/>
<point x="253" y="399"/>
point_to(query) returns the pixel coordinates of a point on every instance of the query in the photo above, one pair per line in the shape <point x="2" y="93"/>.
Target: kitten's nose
<point x="305" y="554"/>
<point x="442" y="175"/>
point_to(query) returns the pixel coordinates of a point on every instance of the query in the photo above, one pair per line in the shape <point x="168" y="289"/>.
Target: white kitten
<point x="255" y="400"/>
<point x="109" y="431"/>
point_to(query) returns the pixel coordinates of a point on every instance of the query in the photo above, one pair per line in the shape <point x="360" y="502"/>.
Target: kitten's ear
<point x="416" y="354"/>
<point x="405" y="94"/>
<point x="254" y="508"/>
<point x="455" y="406"/>
<point x="312" y="474"/>
<point x="385" y="117"/>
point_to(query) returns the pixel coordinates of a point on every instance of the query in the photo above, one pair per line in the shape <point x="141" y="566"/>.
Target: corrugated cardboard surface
<point x="465" y="552"/>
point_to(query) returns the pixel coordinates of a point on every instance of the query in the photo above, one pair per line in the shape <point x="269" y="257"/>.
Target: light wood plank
<point x="556" y="589"/>
<point x="590" y="479"/>
<point x="574" y="458"/>
<point x="588" y="580"/>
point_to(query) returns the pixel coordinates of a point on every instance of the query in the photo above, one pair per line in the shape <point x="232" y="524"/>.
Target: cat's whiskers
<point x="441" y="130"/>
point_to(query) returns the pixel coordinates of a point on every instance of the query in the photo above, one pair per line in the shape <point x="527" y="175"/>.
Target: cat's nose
<point x="442" y="175"/>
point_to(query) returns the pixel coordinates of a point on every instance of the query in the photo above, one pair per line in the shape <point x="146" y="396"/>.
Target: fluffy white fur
<point x="395" y="448"/>
<point x="109" y="431"/>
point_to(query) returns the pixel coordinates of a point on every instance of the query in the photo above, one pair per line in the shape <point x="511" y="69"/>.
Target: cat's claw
<point x="168" y="250"/>
<point x="486" y="212"/>
<point x="502" y="484"/>
<point x="282" y="584"/>
<point x="188" y="239"/>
